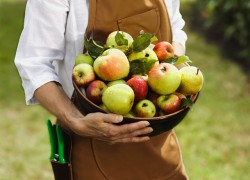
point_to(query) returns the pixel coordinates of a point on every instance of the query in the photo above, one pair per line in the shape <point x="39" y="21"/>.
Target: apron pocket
<point x="61" y="171"/>
<point x="134" y="24"/>
<point x="64" y="170"/>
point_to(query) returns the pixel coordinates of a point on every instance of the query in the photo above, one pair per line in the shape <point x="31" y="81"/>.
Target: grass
<point x="214" y="137"/>
<point x="24" y="143"/>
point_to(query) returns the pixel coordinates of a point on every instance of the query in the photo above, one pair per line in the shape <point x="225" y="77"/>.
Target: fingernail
<point x="150" y="129"/>
<point x="146" y="123"/>
<point x="119" y="118"/>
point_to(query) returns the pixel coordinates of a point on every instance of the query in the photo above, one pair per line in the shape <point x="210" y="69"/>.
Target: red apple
<point x="180" y="95"/>
<point x="164" y="78"/>
<point x="145" y="108"/>
<point x="112" y="65"/>
<point x="170" y="103"/>
<point x="152" y="96"/>
<point x="95" y="90"/>
<point x="139" y="86"/>
<point x="145" y="76"/>
<point x="83" y="74"/>
<point x="164" y="50"/>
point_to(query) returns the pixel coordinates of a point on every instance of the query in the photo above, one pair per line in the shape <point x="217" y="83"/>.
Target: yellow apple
<point x="191" y="80"/>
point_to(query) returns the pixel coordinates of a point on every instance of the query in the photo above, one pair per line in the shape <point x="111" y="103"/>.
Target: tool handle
<point x="53" y="140"/>
<point x="60" y="144"/>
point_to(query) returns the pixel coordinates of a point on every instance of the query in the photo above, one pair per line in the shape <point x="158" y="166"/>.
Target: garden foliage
<point x="229" y="21"/>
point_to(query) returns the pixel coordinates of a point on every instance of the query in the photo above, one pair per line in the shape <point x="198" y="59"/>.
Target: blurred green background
<point x="214" y="137"/>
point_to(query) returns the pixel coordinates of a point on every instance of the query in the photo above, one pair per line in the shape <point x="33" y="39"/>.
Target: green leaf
<point x="171" y="60"/>
<point x="153" y="39"/>
<point x="182" y="59"/>
<point x="186" y="102"/>
<point x="178" y="60"/>
<point x="143" y="41"/>
<point x="94" y="48"/>
<point x="141" y="66"/>
<point x="120" y="40"/>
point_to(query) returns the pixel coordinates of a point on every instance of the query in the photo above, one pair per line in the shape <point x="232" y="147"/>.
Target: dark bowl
<point x="159" y="124"/>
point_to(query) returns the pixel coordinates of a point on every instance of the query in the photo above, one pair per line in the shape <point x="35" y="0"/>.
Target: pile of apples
<point x="136" y="77"/>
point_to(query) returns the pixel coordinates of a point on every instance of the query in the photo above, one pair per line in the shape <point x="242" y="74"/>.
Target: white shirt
<point x="53" y="36"/>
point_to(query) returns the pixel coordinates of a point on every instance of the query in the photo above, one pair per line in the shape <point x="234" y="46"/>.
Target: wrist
<point x="71" y="117"/>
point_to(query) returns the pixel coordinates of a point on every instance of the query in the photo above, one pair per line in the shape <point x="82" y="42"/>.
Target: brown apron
<point x="158" y="159"/>
<point x="130" y="16"/>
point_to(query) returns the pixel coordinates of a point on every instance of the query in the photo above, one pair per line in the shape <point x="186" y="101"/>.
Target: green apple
<point x="118" y="98"/>
<point x="111" y="40"/>
<point x="103" y="107"/>
<point x="84" y="58"/>
<point x="130" y="114"/>
<point x="145" y="108"/>
<point x="151" y="46"/>
<point x="119" y="81"/>
<point x="112" y="65"/>
<point x="164" y="78"/>
<point x="83" y="74"/>
<point x="191" y="80"/>
<point x="147" y="53"/>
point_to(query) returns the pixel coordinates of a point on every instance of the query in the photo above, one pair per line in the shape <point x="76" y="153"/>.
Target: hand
<point x="103" y="127"/>
<point x="95" y="125"/>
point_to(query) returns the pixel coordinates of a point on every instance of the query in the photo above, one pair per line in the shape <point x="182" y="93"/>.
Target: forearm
<point x="52" y="97"/>
<point x="96" y="125"/>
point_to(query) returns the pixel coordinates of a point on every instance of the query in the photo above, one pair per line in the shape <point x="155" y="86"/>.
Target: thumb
<point x="113" y="118"/>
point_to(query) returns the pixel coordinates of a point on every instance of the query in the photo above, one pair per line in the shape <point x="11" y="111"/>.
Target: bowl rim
<point x="193" y="98"/>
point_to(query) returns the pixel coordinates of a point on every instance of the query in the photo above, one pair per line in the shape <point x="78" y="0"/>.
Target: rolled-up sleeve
<point x="41" y="42"/>
<point x="177" y="23"/>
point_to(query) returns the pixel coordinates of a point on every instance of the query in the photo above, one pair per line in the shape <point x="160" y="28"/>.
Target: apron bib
<point x="157" y="159"/>
<point x="132" y="17"/>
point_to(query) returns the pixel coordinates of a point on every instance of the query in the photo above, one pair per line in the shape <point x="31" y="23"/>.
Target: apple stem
<point x="144" y="105"/>
<point x="197" y="71"/>
<point x="164" y="69"/>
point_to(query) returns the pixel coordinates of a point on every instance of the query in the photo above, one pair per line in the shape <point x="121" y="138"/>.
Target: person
<point x="53" y="35"/>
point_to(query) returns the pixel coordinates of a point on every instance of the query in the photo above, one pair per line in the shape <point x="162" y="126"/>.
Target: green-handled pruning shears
<point x="56" y="142"/>
<point x="60" y="144"/>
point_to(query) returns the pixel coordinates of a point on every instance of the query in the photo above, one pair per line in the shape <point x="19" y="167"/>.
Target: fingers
<point x="134" y="132"/>
<point x="132" y="127"/>
<point x="128" y="130"/>
<point x="134" y="137"/>
<point x="103" y="127"/>
<point x="112" y="118"/>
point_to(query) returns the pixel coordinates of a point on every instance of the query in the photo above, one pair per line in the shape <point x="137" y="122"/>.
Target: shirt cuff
<point x="33" y="85"/>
